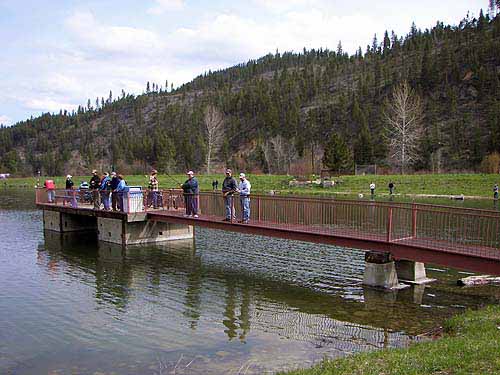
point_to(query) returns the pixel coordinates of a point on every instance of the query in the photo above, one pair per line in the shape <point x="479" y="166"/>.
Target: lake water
<point x="224" y="303"/>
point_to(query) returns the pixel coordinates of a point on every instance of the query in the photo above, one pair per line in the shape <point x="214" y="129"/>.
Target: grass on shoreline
<point x="470" y="345"/>
<point x="479" y="185"/>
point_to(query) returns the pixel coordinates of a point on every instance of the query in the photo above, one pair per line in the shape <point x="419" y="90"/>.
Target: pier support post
<point x="64" y="222"/>
<point x="380" y="271"/>
<point x="412" y="272"/>
<point x="140" y="232"/>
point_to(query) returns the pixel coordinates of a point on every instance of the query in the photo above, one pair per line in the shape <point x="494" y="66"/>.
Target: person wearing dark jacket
<point x="112" y="186"/>
<point x="94" y="184"/>
<point x="70" y="193"/>
<point x="229" y="187"/>
<point x="191" y="192"/>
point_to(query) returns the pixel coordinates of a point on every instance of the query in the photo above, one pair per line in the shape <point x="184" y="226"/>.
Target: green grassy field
<point x="470" y="345"/>
<point x="442" y="184"/>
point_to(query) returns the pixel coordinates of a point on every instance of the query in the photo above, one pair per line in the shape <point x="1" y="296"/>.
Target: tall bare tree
<point x="214" y="123"/>
<point x="403" y="115"/>
<point x="279" y="154"/>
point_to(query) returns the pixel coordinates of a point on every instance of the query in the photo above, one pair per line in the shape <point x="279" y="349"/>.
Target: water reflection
<point x="223" y="300"/>
<point x="176" y="270"/>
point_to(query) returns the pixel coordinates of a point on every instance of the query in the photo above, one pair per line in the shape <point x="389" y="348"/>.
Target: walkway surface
<point x="449" y="236"/>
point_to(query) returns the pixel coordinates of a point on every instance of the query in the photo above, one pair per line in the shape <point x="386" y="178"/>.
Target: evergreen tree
<point x="337" y="156"/>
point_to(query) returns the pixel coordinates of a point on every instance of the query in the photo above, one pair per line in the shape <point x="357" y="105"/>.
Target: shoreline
<point x="468" y="344"/>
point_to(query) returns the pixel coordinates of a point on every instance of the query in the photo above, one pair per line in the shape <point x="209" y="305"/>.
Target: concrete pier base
<point x="412" y="272"/>
<point x="140" y="232"/>
<point x="381" y="275"/>
<point x="64" y="222"/>
<point x="380" y="271"/>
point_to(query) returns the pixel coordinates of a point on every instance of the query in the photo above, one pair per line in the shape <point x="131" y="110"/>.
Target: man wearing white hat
<point x="191" y="191"/>
<point x="69" y="191"/>
<point x="244" y="190"/>
<point x="94" y="184"/>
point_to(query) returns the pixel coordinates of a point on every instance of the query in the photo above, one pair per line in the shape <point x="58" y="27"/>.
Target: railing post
<point x="258" y="208"/>
<point x="232" y="209"/>
<point x="389" y="224"/>
<point x="414" y="220"/>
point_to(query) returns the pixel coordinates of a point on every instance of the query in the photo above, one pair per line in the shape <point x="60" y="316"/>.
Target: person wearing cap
<point x="94" y="184"/>
<point x="104" y="191"/>
<point x="69" y="191"/>
<point x="114" y="194"/>
<point x="244" y="190"/>
<point x="190" y="192"/>
<point x="229" y="187"/>
<point x="121" y="191"/>
<point x="153" y="189"/>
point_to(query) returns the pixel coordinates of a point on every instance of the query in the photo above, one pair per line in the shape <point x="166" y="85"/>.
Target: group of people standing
<point x="106" y="190"/>
<point x="190" y="190"/>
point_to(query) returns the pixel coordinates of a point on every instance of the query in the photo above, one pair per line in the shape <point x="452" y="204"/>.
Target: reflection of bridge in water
<point x="449" y="236"/>
<point x="237" y="303"/>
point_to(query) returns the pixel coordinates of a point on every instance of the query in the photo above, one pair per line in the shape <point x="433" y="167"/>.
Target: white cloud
<point x="49" y="105"/>
<point x="112" y="39"/>
<point x="5" y="120"/>
<point x="90" y="56"/>
<point x="163" y="6"/>
<point x="279" y="6"/>
<point x="231" y="38"/>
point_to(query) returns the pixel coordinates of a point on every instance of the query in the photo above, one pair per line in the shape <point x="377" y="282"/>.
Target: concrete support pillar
<point x="140" y="232"/>
<point x="412" y="272"/>
<point x="63" y="222"/>
<point x="380" y="270"/>
<point x="52" y="220"/>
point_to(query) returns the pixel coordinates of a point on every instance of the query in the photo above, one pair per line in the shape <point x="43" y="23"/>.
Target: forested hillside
<point x="279" y="111"/>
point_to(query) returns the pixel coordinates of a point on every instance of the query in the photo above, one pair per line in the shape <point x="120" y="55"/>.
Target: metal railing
<point x="84" y="199"/>
<point x="422" y="225"/>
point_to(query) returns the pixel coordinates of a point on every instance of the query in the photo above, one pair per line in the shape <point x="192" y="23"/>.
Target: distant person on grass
<point x="391" y="188"/>
<point x="372" y="188"/>
<point x="229" y="187"/>
<point x="190" y="191"/>
<point x="95" y="183"/>
<point x="495" y="191"/>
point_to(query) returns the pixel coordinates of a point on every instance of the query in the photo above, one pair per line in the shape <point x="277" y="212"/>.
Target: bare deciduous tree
<point x="403" y="116"/>
<point x="214" y="122"/>
<point x="279" y="154"/>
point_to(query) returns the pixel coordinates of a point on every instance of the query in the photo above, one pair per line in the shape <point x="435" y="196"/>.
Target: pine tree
<point x="337" y="156"/>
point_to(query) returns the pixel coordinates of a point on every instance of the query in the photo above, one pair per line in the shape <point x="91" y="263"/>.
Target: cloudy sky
<point x="58" y="53"/>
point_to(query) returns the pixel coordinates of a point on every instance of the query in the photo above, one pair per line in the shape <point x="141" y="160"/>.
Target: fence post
<point x="389" y="224"/>
<point x="232" y="209"/>
<point x="414" y="220"/>
<point x="258" y="208"/>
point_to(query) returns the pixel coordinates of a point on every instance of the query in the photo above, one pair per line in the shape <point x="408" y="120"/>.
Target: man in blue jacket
<point x="114" y="195"/>
<point x="244" y="190"/>
<point x="191" y="192"/>
<point x="104" y="190"/>
<point x="121" y="191"/>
